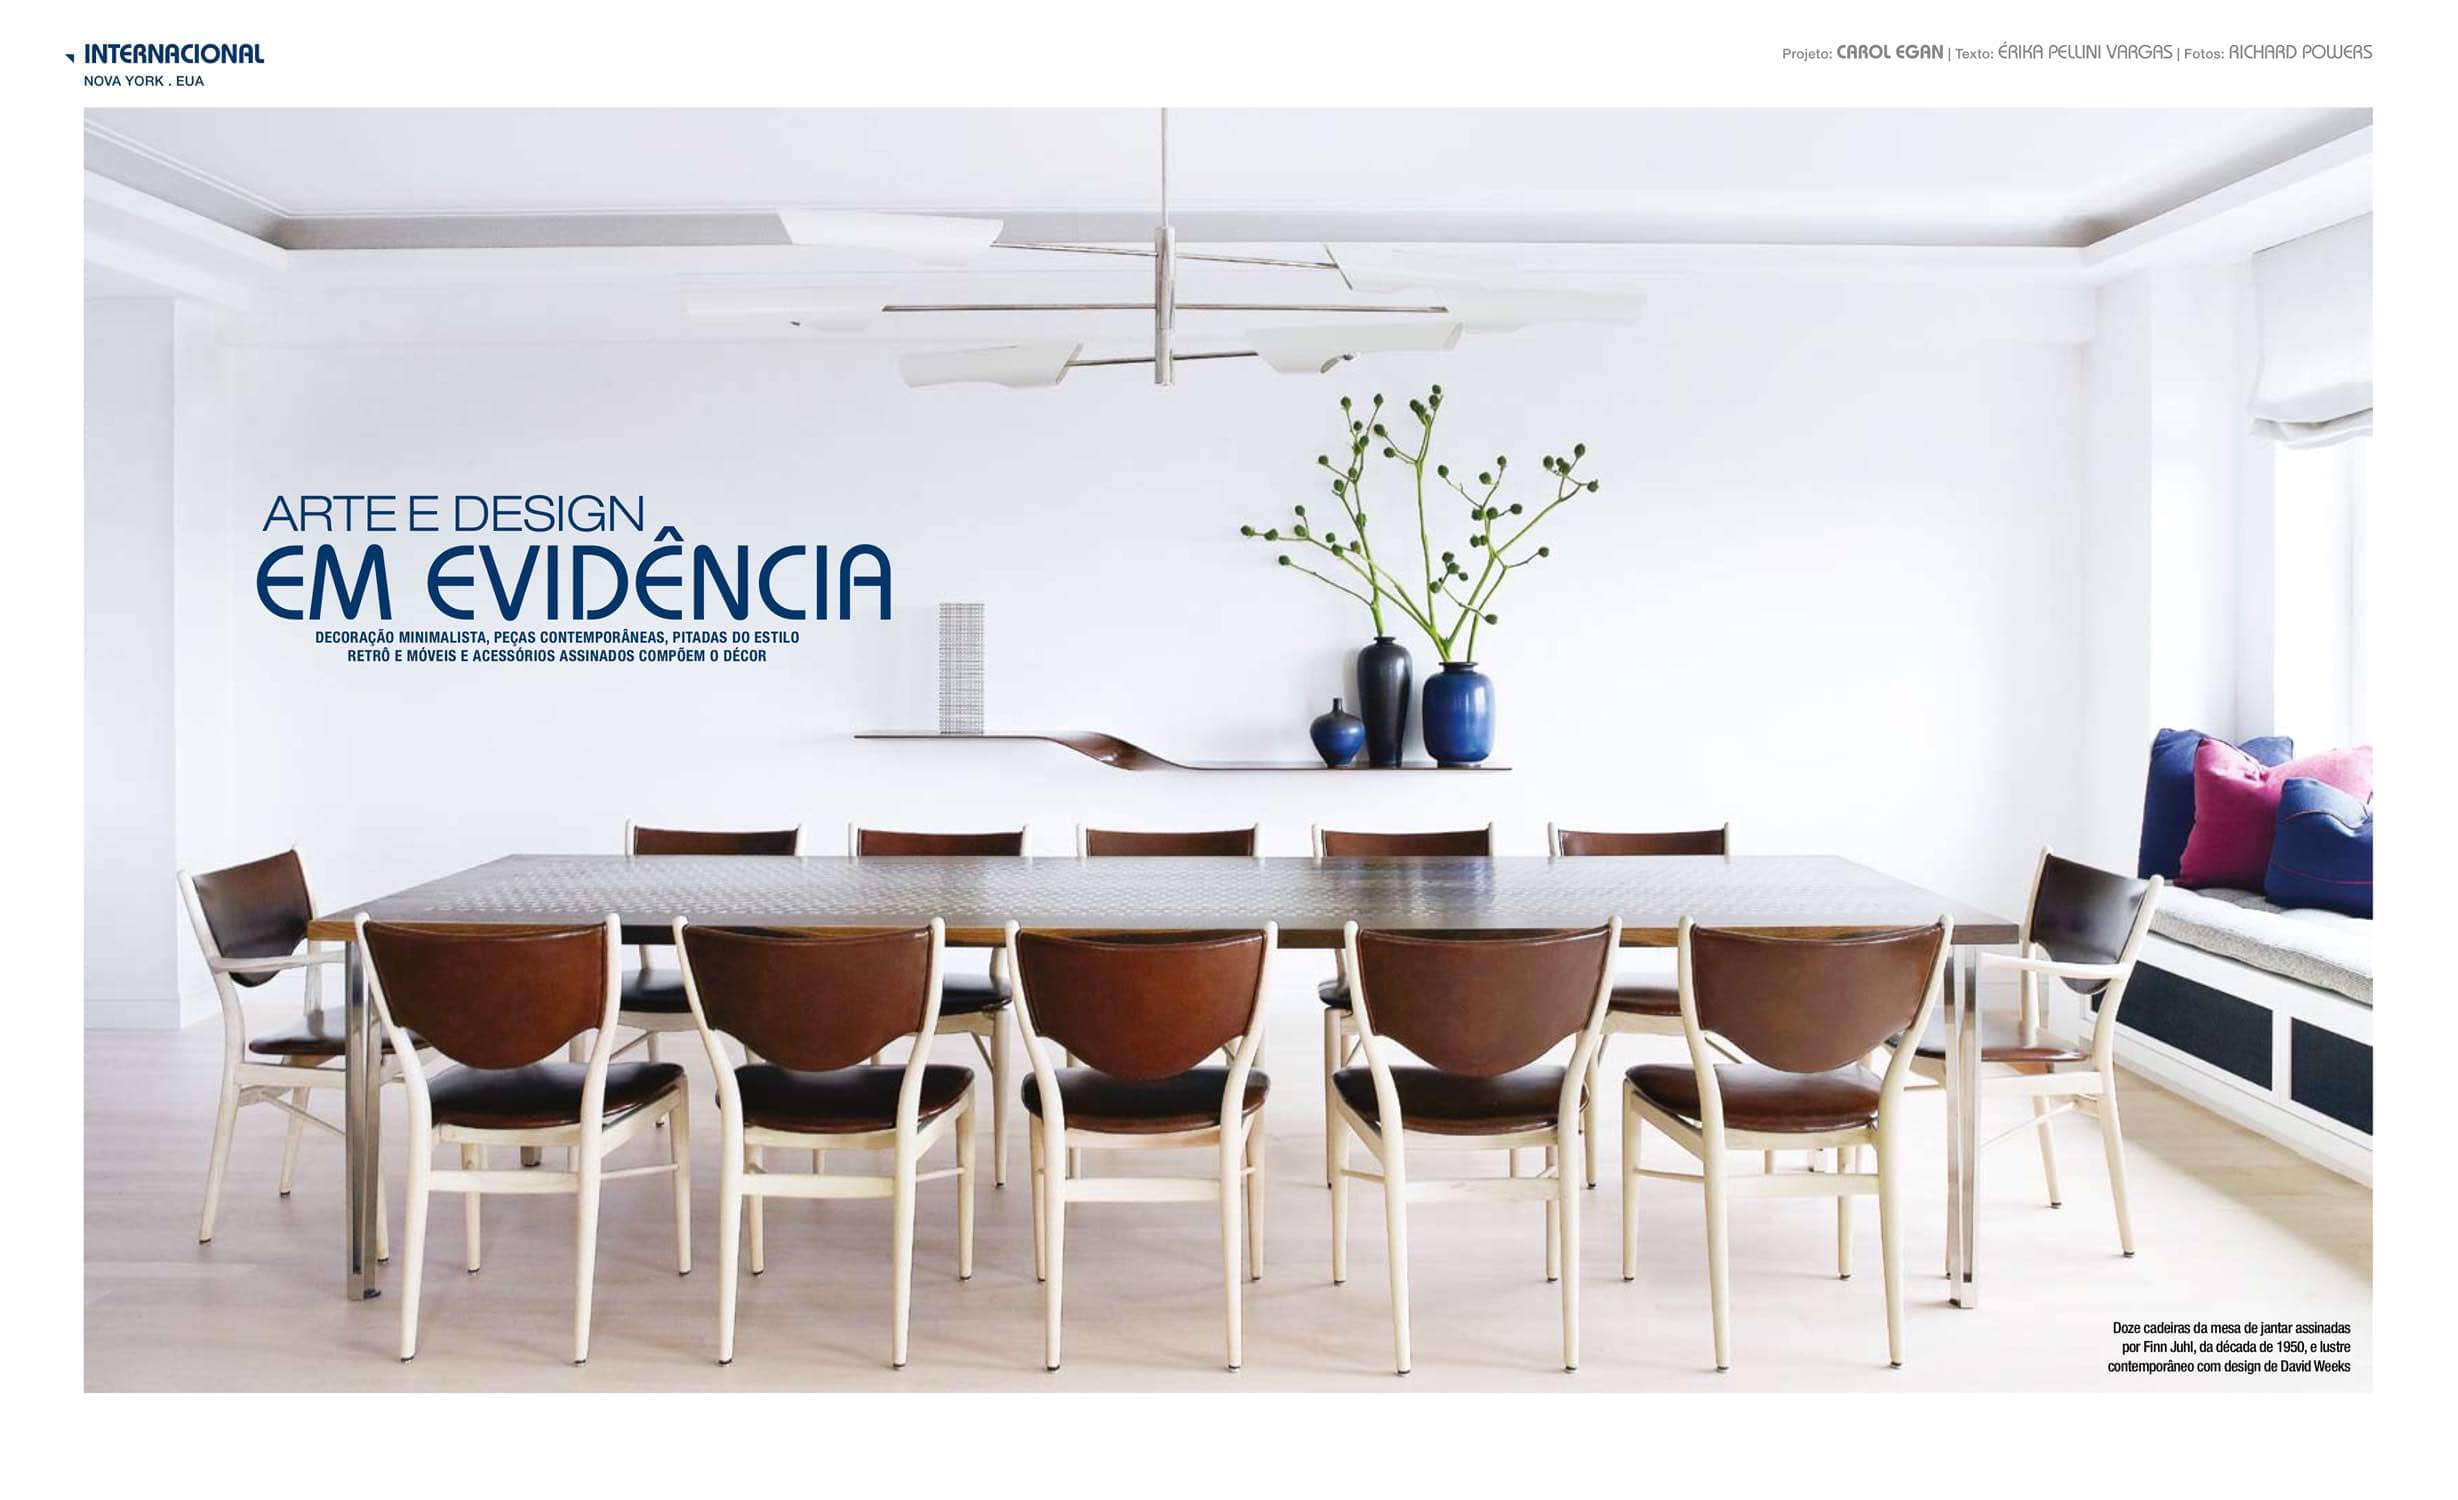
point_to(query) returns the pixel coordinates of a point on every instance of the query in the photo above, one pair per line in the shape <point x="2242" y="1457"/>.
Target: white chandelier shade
<point x="929" y="239"/>
<point x="1315" y="348"/>
<point x="1026" y="366"/>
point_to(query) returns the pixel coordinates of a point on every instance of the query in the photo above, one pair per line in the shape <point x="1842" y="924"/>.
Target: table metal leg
<point x="1950" y="1003"/>
<point x="1967" y="1132"/>
<point x="361" y="1057"/>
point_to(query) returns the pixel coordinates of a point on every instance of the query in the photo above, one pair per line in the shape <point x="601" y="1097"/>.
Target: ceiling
<point x="383" y="178"/>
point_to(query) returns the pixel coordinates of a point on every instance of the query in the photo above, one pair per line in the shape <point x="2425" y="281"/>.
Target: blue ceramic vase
<point x="1338" y="736"/>
<point x="1459" y="715"/>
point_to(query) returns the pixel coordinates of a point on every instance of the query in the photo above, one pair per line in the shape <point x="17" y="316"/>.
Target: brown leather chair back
<point x="810" y="1002"/>
<point x="875" y="841"/>
<point x="1692" y="841"/>
<point x="2083" y="915"/>
<point x="1101" y="841"/>
<point x="1809" y="1005"/>
<point x="1342" y="843"/>
<point x="256" y="910"/>
<point x="502" y="998"/>
<point x="1481" y="1003"/>
<point x="694" y="841"/>
<point x="1142" y="1005"/>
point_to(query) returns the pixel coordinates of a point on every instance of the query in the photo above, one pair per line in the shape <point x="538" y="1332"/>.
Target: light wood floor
<point x="2231" y="1227"/>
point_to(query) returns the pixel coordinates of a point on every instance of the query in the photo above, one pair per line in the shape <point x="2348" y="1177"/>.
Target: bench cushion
<point x="2325" y="949"/>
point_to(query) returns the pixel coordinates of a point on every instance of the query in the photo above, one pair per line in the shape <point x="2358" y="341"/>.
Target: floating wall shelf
<point x="1124" y="755"/>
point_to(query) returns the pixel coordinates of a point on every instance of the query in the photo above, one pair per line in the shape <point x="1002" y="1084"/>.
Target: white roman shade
<point x="2315" y="297"/>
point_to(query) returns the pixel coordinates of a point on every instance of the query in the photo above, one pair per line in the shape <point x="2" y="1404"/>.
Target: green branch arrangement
<point x="1452" y="590"/>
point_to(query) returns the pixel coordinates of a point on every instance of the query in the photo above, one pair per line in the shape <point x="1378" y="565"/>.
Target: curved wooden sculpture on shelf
<point x="1126" y="755"/>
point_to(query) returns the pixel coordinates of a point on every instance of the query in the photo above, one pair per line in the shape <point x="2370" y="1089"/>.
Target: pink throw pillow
<point x="2236" y="808"/>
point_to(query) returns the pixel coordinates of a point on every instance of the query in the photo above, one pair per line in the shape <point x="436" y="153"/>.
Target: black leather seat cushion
<point x="1440" y="1103"/>
<point x="971" y="994"/>
<point x="320" y="1035"/>
<point x="544" y="1094"/>
<point x="847" y="1101"/>
<point x="656" y="991"/>
<point x="2001" y="1040"/>
<point x="1646" y="997"/>
<point x="1769" y="1099"/>
<point x="1124" y="1106"/>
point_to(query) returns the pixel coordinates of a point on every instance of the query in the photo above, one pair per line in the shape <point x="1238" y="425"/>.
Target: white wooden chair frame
<point x="1391" y="1147"/>
<point x="591" y="1141"/>
<point x="2091" y="1090"/>
<point x="1621" y="1023"/>
<point x="1709" y="1141"/>
<point x="649" y="1024"/>
<point x="743" y="1175"/>
<point x="990" y="1031"/>
<point x="1237" y="1185"/>
<point x="287" y="1084"/>
<point x="1340" y="1040"/>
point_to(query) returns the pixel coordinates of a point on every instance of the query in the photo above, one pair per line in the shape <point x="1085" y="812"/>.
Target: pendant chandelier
<point x="1447" y="297"/>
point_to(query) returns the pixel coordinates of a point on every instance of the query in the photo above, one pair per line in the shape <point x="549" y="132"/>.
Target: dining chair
<point x="2085" y="927"/>
<point x="653" y="997"/>
<point x="501" y="1002"/>
<point x="1339" y="1025"/>
<point x="1479" y="1010"/>
<point x="813" y="1009"/>
<point x="1095" y="843"/>
<point x="251" y="925"/>
<point x="972" y="1003"/>
<point x="1808" y="1012"/>
<point x="1142" y="1011"/>
<point x="1643" y="1004"/>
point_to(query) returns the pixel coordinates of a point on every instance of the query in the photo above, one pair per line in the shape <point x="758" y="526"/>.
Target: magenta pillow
<point x="2236" y="808"/>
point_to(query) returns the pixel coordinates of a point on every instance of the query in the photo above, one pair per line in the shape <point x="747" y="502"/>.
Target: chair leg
<point x="1847" y="1159"/>
<point x="1255" y="1151"/>
<point x="584" y="1268"/>
<point x="290" y="1146"/>
<point x="1890" y="1242"/>
<point x="1630" y="1191"/>
<point x="414" y="1229"/>
<point x="900" y="1253"/>
<point x="1232" y="1237"/>
<point x="758" y="1212"/>
<point x="1954" y="1137"/>
<point x="1568" y="1197"/>
<point x="1054" y="1233"/>
<point x="2112" y="1136"/>
<point x="226" y="1115"/>
<point x="729" y="1247"/>
<point x="1595" y="1067"/>
<point x="1001" y="1025"/>
<point x="1719" y="1280"/>
<point x="652" y="1040"/>
<point x="1553" y="1218"/>
<point x="2048" y="1149"/>
<point x="1395" y="1228"/>
<point x="1331" y="1110"/>
<point x="1339" y="1205"/>
<point x="1041" y="1226"/>
<point x="964" y="1190"/>
<point x="678" y="1151"/>
<point x="473" y="1158"/>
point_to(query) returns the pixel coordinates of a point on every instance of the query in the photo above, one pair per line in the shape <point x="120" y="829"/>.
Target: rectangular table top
<point x="1798" y="895"/>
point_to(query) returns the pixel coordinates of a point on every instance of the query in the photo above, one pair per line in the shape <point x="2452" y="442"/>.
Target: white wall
<point x="130" y="960"/>
<point x="1828" y="592"/>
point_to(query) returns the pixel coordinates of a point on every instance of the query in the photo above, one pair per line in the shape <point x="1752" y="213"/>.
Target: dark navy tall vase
<point x="1459" y="714"/>
<point x="1384" y="675"/>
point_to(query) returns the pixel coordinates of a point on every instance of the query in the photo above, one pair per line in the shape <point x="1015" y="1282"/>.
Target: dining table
<point x="1311" y="899"/>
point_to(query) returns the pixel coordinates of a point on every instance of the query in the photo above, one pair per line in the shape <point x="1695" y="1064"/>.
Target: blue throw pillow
<point x="2322" y="854"/>
<point x="2167" y="797"/>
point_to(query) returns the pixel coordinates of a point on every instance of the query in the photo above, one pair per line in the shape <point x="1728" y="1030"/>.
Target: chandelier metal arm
<point x="1145" y="359"/>
<point x="1145" y="307"/>
<point x="1214" y="257"/>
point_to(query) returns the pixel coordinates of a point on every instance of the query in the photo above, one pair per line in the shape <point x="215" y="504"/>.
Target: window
<point x="2318" y="663"/>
